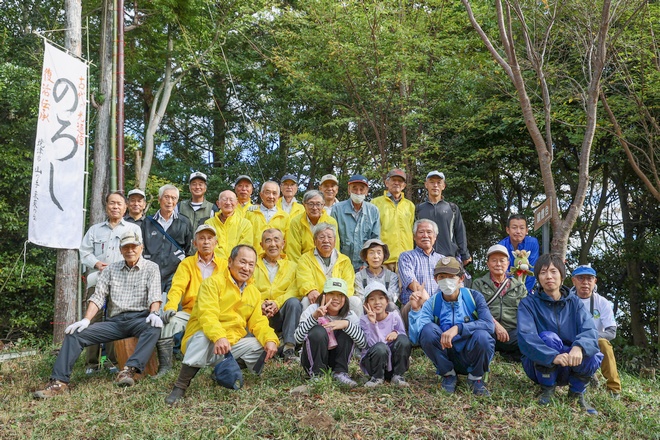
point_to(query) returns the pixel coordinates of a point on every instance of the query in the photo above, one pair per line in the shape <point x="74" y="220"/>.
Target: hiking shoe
<point x="176" y="394"/>
<point x="593" y="382"/>
<point x="478" y="387"/>
<point x="614" y="395"/>
<point x="449" y="383"/>
<point x="290" y="356"/>
<point x="374" y="382"/>
<point x="52" y="389"/>
<point x="579" y="398"/>
<point x="546" y="396"/>
<point x="399" y="381"/>
<point x="344" y="379"/>
<point x="126" y="377"/>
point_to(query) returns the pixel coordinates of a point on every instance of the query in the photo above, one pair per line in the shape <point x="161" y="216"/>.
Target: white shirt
<point x="602" y="311"/>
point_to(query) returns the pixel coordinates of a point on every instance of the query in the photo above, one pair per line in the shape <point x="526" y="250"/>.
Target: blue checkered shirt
<point x="415" y="265"/>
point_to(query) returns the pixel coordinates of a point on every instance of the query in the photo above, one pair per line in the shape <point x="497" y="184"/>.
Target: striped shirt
<point x="128" y="289"/>
<point x="415" y="265"/>
<point x="307" y="321"/>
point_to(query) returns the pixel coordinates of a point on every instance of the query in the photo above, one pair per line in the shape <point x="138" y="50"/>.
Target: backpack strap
<point x="388" y="278"/>
<point x="469" y="302"/>
<point x="364" y="282"/>
<point x="437" y="306"/>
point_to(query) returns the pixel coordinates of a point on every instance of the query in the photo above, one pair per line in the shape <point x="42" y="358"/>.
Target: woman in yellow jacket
<point x="324" y="262"/>
<point x="228" y="306"/>
<point x="299" y="238"/>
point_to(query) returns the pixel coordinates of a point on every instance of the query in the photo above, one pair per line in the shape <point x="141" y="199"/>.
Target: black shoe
<point x="176" y="394"/>
<point x="546" y="396"/>
<point x="579" y="398"/>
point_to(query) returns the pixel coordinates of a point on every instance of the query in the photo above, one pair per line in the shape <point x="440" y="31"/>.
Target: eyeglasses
<point x="314" y="205"/>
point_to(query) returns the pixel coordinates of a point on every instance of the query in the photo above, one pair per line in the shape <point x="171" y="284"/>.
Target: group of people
<point x="319" y="280"/>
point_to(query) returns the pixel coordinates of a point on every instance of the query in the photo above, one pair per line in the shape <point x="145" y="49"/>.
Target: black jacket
<point x="162" y="251"/>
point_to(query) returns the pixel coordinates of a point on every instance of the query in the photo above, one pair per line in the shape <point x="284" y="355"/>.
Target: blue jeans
<point x="577" y="378"/>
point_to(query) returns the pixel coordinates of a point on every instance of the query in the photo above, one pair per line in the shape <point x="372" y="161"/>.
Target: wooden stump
<point x="124" y="348"/>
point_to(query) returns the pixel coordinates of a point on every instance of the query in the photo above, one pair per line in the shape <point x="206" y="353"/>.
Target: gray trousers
<point x="286" y="320"/>
<point x="124" y="325"/>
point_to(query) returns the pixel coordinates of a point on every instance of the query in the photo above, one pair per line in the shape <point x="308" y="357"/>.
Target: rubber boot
<point x="164" y="347"/>
<point x="181" y="385"/>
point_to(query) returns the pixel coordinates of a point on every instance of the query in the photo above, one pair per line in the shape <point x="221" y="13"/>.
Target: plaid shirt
<point x="415" y="265"/>
<point x="128" y="289"/>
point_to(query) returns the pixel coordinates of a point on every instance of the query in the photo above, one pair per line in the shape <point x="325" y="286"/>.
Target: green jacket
<point x="505" y="308"/>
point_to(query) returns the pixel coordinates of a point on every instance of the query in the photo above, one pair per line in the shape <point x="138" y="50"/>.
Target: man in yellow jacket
<point x="230" y="227"/>
<point x="267" y="214"/>
<point x="185" y="285"/>
<point x="324" y="262"/>
<point x="275" y="277"/>
<point x="288" y="202"/>
<point x="228" y="306"/>
<point x="397" y="216"/>
<point x="243" y="187"/>
<point x="299" y="238"/>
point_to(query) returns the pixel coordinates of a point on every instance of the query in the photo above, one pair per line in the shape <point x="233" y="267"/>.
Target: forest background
<point x="267" y="88"/>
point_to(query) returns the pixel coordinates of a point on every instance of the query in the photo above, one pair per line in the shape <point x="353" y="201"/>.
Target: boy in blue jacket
<point x="454" y="328"/>
<point x="557" y="335"/>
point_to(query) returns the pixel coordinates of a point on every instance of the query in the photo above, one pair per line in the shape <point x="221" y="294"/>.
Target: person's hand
<point x="313" y="296"/>
<point x="221" y="346"/>
<point x="154" y="320"/>
<point x="561" y="360"/>
<point x="269" y="308"/>
<point x="391" y="337"/>
<point x="370" y="313"/>
<point x="574" y="356"/>
<point x="446" y="337"/>
<point x="418" y="298"/>
<point x="271" y="349"/>
<point x="321" y="311"/>
<point x="339" y="324"/>
<point x="500" y="333"/>
<point x="166" y="315"/>
<point x="466" y="262"/>
<point x="100" y="265"/>
<point x="80" y="326"/>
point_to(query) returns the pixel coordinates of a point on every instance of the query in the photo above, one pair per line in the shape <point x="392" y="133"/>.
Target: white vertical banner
<point x="56" y="200"/>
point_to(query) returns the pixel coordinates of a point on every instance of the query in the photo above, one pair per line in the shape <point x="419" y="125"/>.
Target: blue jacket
<point x="450" y="314"/>
<point x="353" y="233"/>
<point x="567" y="317"/>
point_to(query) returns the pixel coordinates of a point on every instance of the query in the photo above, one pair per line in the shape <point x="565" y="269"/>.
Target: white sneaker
<point x="399" y="381"/>
<point x="345" y="379"/>
<point x="374" y="382"/>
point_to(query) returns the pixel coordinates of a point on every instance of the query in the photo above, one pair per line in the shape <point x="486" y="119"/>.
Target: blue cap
<point x="289" y="177"/>
<point x="584" y="270"/>
<point x="358" y="178"/>
<point x="228" y="374"/>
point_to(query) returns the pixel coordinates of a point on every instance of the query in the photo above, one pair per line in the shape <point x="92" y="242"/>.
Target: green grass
<point x="264" y="408"/>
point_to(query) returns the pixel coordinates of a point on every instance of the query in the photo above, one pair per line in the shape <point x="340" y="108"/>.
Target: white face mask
<point x="448" y="285"/>
<point x="357" y="198"/>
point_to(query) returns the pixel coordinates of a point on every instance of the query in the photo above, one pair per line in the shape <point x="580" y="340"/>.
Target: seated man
<point x="226" y="318"/>
<point x="321" y="263"/>
<point x="502" y="295"/>
<point x="557" y="336"/>
<point x="231" y="229"/>
<point x="454" y="328"/>
<point x="131" y="289"/>
<point x="267" y="214"/>
<point x="185" y="285"/>
<point x="275" y="277"/>
<point x="584" y="280"/>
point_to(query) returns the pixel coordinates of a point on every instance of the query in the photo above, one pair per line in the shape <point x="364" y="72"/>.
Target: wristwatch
<point x="157" y="313"/>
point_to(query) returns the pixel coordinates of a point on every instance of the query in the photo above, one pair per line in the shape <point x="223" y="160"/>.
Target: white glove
<point x="155" y="320"/>
<point x="80" y="326"/>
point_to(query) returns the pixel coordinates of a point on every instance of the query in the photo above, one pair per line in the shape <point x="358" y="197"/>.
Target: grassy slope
<point x="264" y="408"/>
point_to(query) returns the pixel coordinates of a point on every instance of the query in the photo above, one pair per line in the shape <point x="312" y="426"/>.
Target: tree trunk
<point x="66" y="280"/>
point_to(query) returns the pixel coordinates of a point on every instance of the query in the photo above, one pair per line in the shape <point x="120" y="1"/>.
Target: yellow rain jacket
<point x="186" y="282"/>
<point x="283" y="286"/>
<point x="254" y="215"/>
<point x="236" y="230"/>
<point x="311" y="276"/>
<point x="396" y="222"/>
<point x="300" y="239"/>
<point x="222" y="311"/>
<point x="296" y="208"/>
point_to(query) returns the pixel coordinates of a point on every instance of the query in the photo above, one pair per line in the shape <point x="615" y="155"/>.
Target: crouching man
<point x="131" y="288"/>
<point x="228" y="306"/>
<point x="454" y="328"/>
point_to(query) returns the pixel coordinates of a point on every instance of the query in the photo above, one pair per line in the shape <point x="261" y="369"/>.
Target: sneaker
<point x="449" y="383"/>
<point x="290" y="356"/>
<point x="478" y="387"/>
<point x="399" y="381"/>
<point x="546" y="396"/>
<point x="92" y="370"/>
<point x="345" y="379"/>
<point x="176" y="394"/>
<point x="126" y="377"/>
<point x="374" y="382"/>
<point x="579" y="398"/>
<point x="52" y="389"/>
